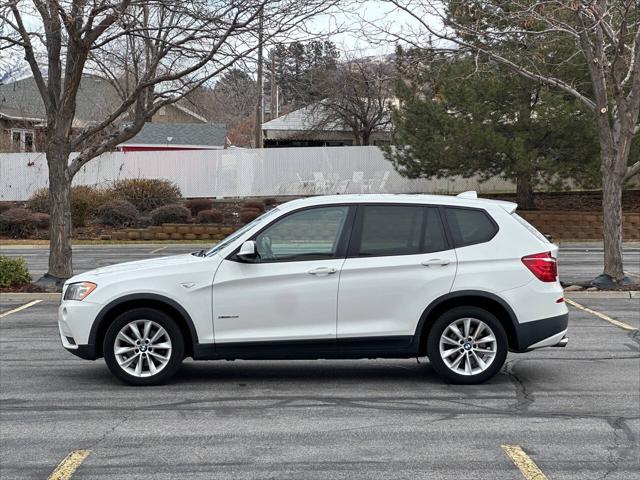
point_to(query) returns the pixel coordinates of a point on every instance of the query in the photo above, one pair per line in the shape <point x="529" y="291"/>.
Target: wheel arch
<point x="143" y="300"/>
<point x="474" y="298"/>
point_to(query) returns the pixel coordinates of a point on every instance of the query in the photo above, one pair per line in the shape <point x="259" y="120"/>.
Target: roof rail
<point x="468" y="194"/>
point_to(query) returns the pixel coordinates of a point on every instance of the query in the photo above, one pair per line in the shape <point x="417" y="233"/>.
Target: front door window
<point x="311" y="234"/>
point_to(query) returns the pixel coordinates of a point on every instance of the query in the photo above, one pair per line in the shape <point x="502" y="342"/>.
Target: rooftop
<point x="181" y="134"/>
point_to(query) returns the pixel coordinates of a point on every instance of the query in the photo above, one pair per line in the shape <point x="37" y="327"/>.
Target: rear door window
<point x="470" y="226"/>
<point x="399" y="230"/>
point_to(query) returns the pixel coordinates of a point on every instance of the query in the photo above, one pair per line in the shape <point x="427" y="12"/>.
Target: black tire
<point x="447" y="318"/>
<point x="173" y="331"/>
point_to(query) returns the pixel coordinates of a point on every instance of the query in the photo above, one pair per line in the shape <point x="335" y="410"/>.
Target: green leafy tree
<point x="458" y="117"/>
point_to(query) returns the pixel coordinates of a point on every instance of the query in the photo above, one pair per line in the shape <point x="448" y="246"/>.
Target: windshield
<point x="238" y="233"/>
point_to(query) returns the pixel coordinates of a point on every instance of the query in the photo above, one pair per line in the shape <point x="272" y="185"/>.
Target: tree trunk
<point x="612" y="222"/>
<point x="524" y="192"/>
<point x="60" y="262"/>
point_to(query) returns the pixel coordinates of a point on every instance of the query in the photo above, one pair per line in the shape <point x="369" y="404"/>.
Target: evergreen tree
<point x="458" y="117"/>
<point x="301" y="70"/>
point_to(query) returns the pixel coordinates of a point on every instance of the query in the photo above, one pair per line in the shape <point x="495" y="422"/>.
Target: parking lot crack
<point x="524" y="398"/>
<point x="108" y="432"/>
<point x="624" y="445"/>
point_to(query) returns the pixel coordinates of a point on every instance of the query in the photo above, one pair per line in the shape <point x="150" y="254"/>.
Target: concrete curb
<point x="603" y="294"/>
<point x="26" y="297"/>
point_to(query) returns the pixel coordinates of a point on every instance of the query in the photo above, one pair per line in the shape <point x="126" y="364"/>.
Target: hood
<point x="141" y="267"/>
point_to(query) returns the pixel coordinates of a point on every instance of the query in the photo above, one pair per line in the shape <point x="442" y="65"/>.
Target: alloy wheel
<point x="142" y="348"/>
<point x="468" y="346"/>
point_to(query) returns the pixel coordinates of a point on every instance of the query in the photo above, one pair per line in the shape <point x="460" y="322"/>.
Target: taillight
<point x="543" y="265"/>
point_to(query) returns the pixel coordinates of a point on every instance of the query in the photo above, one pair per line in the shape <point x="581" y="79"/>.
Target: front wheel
<point x="143" y="347"/>
<point x="467" y="345"/>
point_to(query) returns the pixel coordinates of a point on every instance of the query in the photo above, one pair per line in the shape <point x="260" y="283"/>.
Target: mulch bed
<point x="24" y="288"/>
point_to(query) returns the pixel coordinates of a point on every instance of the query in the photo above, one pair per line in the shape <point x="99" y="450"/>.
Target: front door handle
<point x="322" y="271"/>
<point x="436" y="261"/>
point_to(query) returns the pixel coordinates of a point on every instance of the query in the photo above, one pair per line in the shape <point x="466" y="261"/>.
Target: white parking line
<point x="22" y="307"/>
<point x="633" y="274"/>
<point x="157" y="250"/>
<point x="607" y="318"/>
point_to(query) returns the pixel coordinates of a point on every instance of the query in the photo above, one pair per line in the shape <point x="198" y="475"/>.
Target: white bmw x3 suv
<point x="458" y="279"/>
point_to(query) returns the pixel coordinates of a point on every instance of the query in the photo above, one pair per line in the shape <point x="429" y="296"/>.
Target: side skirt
<point x="347" y="348"/>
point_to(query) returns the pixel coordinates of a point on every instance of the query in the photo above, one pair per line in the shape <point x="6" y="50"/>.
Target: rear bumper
<point x="86" y="352"/>
<point x="547" y="332"/>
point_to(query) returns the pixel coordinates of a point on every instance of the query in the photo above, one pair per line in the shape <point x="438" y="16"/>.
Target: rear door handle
<point x="322" y="271"/>
<point x="436" y="261"/>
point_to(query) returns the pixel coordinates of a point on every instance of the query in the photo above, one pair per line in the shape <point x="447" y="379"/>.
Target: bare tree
<point x="604" y="34"/>
<point x="154" y="52"/>
<point x="356" y="96"/>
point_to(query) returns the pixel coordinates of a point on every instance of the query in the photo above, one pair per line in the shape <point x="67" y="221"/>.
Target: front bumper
<point x="548" y="332"/>
<point x="74" y="322"/>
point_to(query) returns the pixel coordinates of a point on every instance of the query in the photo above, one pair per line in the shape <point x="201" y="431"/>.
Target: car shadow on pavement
<point x="307" y="372"/>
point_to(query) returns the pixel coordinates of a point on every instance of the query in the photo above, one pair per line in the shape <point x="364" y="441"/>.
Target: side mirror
<point x="247" y="251"/>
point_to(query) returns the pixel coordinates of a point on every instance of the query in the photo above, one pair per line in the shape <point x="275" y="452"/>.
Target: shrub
<point x="118" y="213"/>
<point x="212" y="215"/>
<point x="253" y="205"/>
<point x="41" y="220"/>
<point x="146" y="193"/>
<point x="4" y="206"/>
<point x="85" y="201"/>
<point x="249" y="214"/>
<point x="170" y="214"/>
<point x="145" y="221"/>
<point x="197" y="205"/>
<point x="39" y="201"/>
<point x="13" y="272"/>
<point x="270" y="202"/>
<point x="17" y="222"/>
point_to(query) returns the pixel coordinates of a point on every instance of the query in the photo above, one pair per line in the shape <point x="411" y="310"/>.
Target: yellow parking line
<point x="26" y="305"/>
<point x="607" y="318"/>
<point x="527" y="467"/>
<point x="69" y="465"/>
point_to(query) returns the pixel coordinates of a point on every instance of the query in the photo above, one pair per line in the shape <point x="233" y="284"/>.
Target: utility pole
<point x="274" y="86"/>
<point x="259" y="109"/>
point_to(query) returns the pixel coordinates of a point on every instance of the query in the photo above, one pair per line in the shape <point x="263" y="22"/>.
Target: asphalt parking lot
<point x="575" y="412"/>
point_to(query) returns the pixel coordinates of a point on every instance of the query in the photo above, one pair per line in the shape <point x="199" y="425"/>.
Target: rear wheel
<point x="143" y="347"/>
<point x="467" y="345"/>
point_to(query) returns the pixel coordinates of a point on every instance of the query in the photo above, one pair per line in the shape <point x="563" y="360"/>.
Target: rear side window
<point x="400" y="230"/>
<point x="470" y="226"/>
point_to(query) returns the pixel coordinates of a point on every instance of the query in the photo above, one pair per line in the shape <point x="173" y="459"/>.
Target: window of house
<point x="22" y="140"/>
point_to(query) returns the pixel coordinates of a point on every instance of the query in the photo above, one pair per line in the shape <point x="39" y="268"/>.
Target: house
<point x="23" y="120"/>
<point x="309" y="127"/>
<point x="177" y="136"/>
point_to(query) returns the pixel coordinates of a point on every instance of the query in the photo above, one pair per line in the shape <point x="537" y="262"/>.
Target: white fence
<point x="242" y="172"/>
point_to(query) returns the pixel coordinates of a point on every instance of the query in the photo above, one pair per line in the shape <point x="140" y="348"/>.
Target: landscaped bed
<point x="141" y="210"/>
<point x="99" y="212"/>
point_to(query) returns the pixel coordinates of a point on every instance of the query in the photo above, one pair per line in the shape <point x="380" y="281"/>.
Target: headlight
<point x="78" y="291"/>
